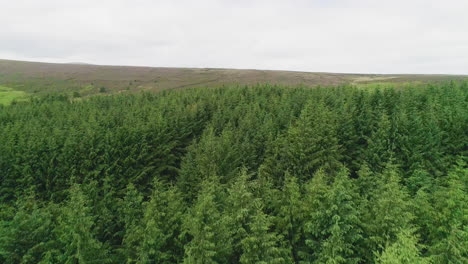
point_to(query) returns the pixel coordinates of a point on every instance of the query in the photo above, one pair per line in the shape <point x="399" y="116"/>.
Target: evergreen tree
<point x="379" y="145"/>
<point x="340" y="237"/>
<point x="262" y="245"/>
<point x="313" y="143"/>
<point x="289" y="219"/>
<point x="75" y="231"/>
<point x="258" y="173"/>
<point x="240" y="206"/>
<point x="206" y="225"/>
<point x="212" y="156"/>
<point x="424" y="212"/>
<point x="28" y="235"/>
<point x="132" y="214"/>
<point x="405" y="250"/>
<point x="449" y="231"/>
<point x="105" y="209"/>
<point x="386" y="212"/>
<point x="314" y="216"/>
<point x="160" y="241"/>
<point x="368" y="183"/>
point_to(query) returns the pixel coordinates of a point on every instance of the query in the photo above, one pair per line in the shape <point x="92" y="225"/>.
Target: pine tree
<point x="262" y="245"/>
<point x="340" y="237"/>
<point x="132" y="214"/>
<point x="212" y="156"/>
<point x="379" y="145"/>
<point x="348" y="132"/>
<point x="162" y="226"/>
<point x="207" y="227"/>
<point x="289" y="219"/>
<point x="28" y="235"/>
<point x="75" y="231"/>
<point x="449" y="231"/>
<point x="239" y="210"/>
<point x="405" y="250"/>
<point x="424" y="212"/>
<point x="387" y="211"/>
<point x="312" y="143"/>
<point x="316" y="190"/>
<point x="368" y="182"/>
<point x="105" y="209"/>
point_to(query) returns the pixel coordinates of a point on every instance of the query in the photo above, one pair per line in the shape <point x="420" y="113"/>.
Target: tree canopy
<point x="260" y="174"/>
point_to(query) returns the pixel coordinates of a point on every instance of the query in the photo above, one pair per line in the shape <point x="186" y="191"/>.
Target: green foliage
<point x="131" y="213"/>
<point x="449" y="243"/>
<point x="76" y="94"/>
<point x="28" y="235"/>
<point x="261" y="174"/>
<point x="311" y="143"/>
<point x="240" y="207"/>
<point x="160" y="233"/>
<point x="290" y="217"/>
<point x="212" y="156"/>
<point x="75" y="232"/>
<point x="207" y="227"/>
<point x="404" y="250"/>
<point x="261" y="245"/>
<point x="387" y="210"/>
<point x="379" y="144"/>
<point x="333" y="221"/>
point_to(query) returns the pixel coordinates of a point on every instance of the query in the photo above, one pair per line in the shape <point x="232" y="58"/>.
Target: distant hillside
<point x="86" y="79"/>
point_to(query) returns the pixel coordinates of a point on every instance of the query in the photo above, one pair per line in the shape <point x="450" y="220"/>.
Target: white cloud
<point x="400" y="36"/>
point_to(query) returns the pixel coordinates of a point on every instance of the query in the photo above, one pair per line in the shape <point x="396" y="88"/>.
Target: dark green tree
<point x="313" y="143"/>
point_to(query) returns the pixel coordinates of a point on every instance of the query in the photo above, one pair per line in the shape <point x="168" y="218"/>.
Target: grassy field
<point x="84" y="80"/>
<point x="8" y="95"/>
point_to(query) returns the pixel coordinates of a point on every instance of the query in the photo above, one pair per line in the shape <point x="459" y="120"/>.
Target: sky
<point x="349" y="36"/>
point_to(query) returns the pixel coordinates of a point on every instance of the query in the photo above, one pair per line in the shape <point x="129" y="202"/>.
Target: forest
<point x="242" y="174"/>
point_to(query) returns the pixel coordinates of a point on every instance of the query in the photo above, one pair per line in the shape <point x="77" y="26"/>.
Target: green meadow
<point x="8" y="95"/>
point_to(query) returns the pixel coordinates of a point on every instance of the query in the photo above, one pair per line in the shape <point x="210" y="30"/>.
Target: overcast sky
<point x="360" y="36"/>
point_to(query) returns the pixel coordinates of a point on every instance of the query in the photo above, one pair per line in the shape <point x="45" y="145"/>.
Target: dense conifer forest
<point x="261" y="174"/>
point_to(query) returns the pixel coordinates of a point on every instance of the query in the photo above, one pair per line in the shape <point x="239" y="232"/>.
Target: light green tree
<point x="386" y="212"/>
<point x="449" y="232"/>
<point x="262" y="245"/>
<point x="28" y="235"/>
<point x="207" y="227"/>
<point x="405" y="250"/>
<point x="339" y="239"/>
<point x="132" y="214"/>
<point x="75" y="231"/>
<point x="289" y="220"/>
<point x="160" y="240"/>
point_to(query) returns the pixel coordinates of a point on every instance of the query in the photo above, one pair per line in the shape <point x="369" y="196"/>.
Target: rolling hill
<point x="86" y="79"/>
